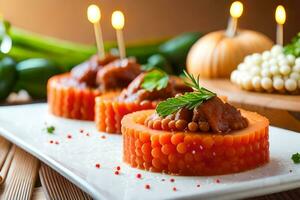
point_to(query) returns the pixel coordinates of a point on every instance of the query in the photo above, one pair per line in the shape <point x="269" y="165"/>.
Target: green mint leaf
<point x="50" y="129"/>
<point x="155" y="79"/>
<point x="293" y="47"/>
<point x="296" y="158"/>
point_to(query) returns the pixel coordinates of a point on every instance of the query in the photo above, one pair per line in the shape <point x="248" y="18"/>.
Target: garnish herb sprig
<point x="188" y="100"/>
<point x="296" y="158"/>
<point x="156" y="79"/>
<point x="50" y="129"/>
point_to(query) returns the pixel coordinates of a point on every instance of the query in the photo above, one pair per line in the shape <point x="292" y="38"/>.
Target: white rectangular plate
<point x="76" y="157"/>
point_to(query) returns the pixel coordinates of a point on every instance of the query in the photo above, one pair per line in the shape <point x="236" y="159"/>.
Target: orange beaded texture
<point x="109" y="111"/>
<point x="186" y="153"/>
<point x="69" y="101"/>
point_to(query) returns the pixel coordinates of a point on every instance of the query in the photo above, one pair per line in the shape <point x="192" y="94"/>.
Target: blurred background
<point x="146" y="19"/>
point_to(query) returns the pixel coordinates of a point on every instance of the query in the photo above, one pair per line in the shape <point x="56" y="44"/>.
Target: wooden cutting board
<point x="282" y="110"/>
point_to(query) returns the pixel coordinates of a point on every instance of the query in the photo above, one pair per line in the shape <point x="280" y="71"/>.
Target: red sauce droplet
<point x="172" y="180"/>
<point x="174" y="189"/>
<point x="51" y="141"/>
<point x="81" y="130"/>
<point x="97" y="165"/>
<point x="118" y="168"/>
<point x="198" y="185"/>
<point x="117" y="172"/>
<point x="147" y="186"/>
<point x="218" y="181"/>
<point x="56" y="142"/>
<point x="87" y="134"/>
<point x="69" y="136"/>
<point x="139" y="175"/>
<point x="103" y="137"/>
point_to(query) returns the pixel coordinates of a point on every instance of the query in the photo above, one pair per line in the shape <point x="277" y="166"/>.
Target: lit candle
<point x="117" y="20"/>
<point x="236" y="10"/>
<point x="94" y="16"/>
<point x="280" y="17"/>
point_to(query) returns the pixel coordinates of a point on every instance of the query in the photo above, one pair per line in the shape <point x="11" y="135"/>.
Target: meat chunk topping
<point x="213" y="115"/>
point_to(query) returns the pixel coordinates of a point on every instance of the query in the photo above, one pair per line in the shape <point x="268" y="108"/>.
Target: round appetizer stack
<point x="271" y="71"/>
<point x="195" y="134"/>
<point x="72" y="95"/>
<point x="144" y="92"/>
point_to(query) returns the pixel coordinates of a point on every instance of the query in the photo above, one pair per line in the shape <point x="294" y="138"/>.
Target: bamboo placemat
<point x="21" y="177"/>
<point x="57" y="187"/>
<point x="38" y="194"/>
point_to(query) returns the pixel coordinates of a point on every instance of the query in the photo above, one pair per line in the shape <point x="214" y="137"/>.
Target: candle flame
<point x="236" y="9"/>
<point x="280" y="15"/>
<point x="117" y="20"/>
<point x="93" y="13"/>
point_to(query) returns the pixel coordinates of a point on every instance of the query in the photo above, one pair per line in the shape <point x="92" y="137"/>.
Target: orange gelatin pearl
<point x="218" y="140"/>
<point x="177" y="138"/>
<point x="150" y="123"/>
<point x="165" y="139"/>
<point x="208" y="142"/>
<point x="181" y="148"/>
<point x="171" y="125"/>
<point x="156" y="152"/>
<point x="165" y="124"/>
<point x="155" y="141"/>
<point x="156" y="163"/>
<point x="146" y="148"/>
<point x="180" y="124"/>
<point x="144" y="137"/>
<point x="193" y="126"/>
<point x="167" y="149"/>
<point x="188" y="139"/>
<point x="157" y="124"/>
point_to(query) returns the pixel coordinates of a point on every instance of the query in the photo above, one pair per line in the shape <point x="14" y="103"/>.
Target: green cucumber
<point x="36" y="90"/>
<point x="158" y="61"/>
<point x="33" y="75"/>
<point x="176" y="49"/>
<point x="8" y="76"/>
<point x="36" y="70"/>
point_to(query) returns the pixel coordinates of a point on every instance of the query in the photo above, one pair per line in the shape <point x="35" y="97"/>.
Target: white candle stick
<point x="118" y="21"/>
<point x="280" y="18"/>
<point x="236" y="11"/>
<point x="94" y="16"/>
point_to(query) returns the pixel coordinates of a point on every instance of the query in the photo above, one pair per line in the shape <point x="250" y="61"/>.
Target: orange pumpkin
<point x="216" y="55"/>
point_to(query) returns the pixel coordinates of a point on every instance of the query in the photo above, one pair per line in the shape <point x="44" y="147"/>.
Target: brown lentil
<point x="180" y="124"/>
<point x="157" y="124"/>
<point x="172" y="125"/>
<point x="203" y="126"/>
<point x="165" y="124"/>
<point x="193" y="126"/>
<point x="150" y="123"/>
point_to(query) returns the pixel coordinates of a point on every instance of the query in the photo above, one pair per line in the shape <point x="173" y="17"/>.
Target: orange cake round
<point x="72" y="95"/>
<point x="66" y="99"/>
<point x="109" y="111"/>
<point x="192" y="153"/>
